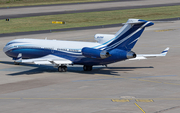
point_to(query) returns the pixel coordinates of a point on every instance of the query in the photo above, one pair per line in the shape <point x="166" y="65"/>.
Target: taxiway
<point x="150" y="86"/>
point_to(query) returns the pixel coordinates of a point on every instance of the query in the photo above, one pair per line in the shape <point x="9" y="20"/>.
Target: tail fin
<point x="128" y="35"/>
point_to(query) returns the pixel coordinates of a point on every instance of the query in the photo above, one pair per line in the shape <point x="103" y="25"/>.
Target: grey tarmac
<point x="150" y="85"/>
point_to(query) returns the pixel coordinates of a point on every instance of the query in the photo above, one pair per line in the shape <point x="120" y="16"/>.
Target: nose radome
<point x="5" y="49"/>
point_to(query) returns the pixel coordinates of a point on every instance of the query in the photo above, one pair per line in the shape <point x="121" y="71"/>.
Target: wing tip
<point x="165" y="51"/>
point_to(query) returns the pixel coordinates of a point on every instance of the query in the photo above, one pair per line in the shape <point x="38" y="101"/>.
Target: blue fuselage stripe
<point x="28" y="53"/>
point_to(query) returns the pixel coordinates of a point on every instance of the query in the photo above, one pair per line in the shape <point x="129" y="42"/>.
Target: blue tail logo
<point x="128" y="35"/>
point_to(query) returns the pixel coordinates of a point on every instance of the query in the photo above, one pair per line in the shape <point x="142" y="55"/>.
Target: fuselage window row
<point x="59" y="49"/>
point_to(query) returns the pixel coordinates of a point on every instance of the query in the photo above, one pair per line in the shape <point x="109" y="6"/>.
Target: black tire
<point x="62" y="68"/>
<point x="16" y="63"/>
<point x="90" y="68"/>
<point x="87" y="68"/>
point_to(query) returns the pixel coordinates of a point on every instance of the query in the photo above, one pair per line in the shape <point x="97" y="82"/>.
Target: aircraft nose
<point x="5" y="49"/>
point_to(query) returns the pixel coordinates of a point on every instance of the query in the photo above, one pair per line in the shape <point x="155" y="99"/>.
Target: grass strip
<point x="86" y="19"/>
<point x="15" y="3"/>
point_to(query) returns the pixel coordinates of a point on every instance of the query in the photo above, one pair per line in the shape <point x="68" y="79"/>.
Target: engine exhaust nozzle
<point x="131" y="54"/>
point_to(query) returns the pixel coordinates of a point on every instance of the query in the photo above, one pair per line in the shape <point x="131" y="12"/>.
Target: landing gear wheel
<point x="59" y="69"/>
<point x="87" y="68"/>
<point x="16" y="63"/>
<point x="62" y="68"/>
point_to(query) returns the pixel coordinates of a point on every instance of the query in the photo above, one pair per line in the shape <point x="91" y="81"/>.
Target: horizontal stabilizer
<point x="145" y="56"/>
<point x="135" y="21"/>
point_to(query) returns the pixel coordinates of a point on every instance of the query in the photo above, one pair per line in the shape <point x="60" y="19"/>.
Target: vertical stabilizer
<point x="128" y="35"/>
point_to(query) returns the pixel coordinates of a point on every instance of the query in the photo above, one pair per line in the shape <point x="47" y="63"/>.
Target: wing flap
<point x="42" y="62"/>
<point x="49" y="59"/>
<point x="62" y="62"/>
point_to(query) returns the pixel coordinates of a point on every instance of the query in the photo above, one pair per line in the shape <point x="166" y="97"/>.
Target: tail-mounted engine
<point x="131" y="54"/>
<point x="95" y="53"/>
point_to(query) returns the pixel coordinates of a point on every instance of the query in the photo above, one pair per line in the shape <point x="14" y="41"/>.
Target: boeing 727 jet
<point x="108" y="49"/>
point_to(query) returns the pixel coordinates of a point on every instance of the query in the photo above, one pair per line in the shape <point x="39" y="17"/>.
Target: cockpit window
<point x="8" y="44"/>
<point x="12" y="43"/>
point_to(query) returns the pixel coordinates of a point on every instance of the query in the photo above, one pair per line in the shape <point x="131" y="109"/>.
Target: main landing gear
<point x="16" y="63"/>
<point x="62" y="68"/>
<point x="87" y="68"/>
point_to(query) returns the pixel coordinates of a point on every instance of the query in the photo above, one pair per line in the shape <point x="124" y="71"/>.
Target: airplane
<point x="108" y="49"/>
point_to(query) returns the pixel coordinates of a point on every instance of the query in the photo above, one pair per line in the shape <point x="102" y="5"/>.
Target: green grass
<point x="13" y="3"/>
<point x="86" y="19"/>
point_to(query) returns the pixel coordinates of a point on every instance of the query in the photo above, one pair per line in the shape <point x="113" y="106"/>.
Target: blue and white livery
<point x="108" y="49"/>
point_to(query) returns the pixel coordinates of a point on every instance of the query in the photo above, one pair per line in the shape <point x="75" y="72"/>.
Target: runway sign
<point x="58" y="22"/>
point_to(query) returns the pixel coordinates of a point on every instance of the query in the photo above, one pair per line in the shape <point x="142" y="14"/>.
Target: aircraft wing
<point x="49" y="59"/>
<point x="145" y="56"/>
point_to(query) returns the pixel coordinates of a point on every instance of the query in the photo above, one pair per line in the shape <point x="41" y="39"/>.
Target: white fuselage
<point x="68" y="46"/>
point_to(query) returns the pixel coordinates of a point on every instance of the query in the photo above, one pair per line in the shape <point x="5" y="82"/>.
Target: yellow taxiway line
<point x="139" y="107"/>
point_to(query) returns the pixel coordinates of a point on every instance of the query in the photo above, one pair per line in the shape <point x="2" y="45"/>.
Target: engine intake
<point x="95" y="53"/>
